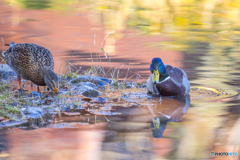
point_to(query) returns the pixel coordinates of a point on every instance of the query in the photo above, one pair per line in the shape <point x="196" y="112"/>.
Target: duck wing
<point x="39" y="55"/>
<point x="179" y="77"/>
<point x="18" y="58"/>
<point x="176" y="74"/>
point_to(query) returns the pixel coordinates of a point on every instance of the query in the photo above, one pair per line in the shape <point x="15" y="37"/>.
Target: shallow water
<point x="204" y="44"/>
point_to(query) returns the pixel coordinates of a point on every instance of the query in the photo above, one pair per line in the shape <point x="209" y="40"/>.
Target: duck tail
<point x="3" y="53"/>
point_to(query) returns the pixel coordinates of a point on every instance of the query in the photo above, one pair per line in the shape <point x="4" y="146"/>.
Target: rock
<point x="89" y="92"/>
<point x="13" y="104"/>
<point x="99" y="100"/>
<point x="1" y="119"/>
<point x="89" y="84"/>
<point x="71" y="113"/>
<point x="99" y="81"/>
<point x="79" y="79"/>
<point x="105" y="80"/>
<point x="21" y="92"/>
<point x="33" y="112"/>
<point x="65" y="89"/>
<point x="87" y="89"/>
<point x="48" y="101"/>
<point x="11" y="123"/>
<point x="35" y="94"/>
<point x="129" y="85"/>
<point x="6" y="71"/>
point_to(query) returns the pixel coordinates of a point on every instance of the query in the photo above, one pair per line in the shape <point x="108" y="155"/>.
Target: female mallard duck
<point x="167" y="80"/>
<point x="32" y="62"/>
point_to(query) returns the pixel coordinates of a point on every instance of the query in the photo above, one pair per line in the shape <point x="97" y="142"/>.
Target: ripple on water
<point x="205" y="93"/>
<point x="196" y="93"/>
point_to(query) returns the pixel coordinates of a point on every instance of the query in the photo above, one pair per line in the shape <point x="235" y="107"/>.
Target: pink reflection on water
<point x="83" y="143"/>
<point x="63" y="33"/>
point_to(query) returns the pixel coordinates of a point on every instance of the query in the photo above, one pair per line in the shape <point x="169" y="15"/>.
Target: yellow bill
<point x="156" y="123"/>
<point x="156" y="76"/>
<point x="55" y="90"/>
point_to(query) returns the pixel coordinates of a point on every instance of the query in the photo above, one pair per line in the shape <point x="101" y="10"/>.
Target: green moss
<point x="3" y="86"/>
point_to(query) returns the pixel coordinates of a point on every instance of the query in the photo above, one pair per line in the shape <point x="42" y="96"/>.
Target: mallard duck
<point x="166" y="80"/>
<point x="32" y="62"/>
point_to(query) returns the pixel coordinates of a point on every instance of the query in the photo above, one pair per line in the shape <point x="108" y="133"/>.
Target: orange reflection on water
<point x="82" y="143"/>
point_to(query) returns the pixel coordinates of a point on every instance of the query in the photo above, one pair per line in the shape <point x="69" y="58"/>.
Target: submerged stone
<point x="33" y="112"/>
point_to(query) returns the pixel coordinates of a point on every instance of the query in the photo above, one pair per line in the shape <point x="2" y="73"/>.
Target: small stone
<point x="100" y="100"/>
<point x="21" y="92"/>
<point x="33" y="112"/>
<point x="35" y="94"/>
<point x="129" y="85"/>
<point x="48" y="101"/>
<point x="65" y="89"/>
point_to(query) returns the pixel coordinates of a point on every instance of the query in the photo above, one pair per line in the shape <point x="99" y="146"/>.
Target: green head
<point x="51" y="80"/>
<point x="158" y="70"/>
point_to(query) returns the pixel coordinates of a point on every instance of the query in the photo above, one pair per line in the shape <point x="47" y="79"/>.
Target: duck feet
<point x="19" y="82"/>
<point x="38" y="89"/>
<point x="22" y="92"/>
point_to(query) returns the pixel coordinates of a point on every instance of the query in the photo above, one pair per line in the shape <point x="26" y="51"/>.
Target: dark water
<point x="202" y="38"/>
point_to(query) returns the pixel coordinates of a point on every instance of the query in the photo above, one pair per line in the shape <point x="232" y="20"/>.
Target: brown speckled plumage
<point x="28" y="61"/>
<point x="32" y="62"/>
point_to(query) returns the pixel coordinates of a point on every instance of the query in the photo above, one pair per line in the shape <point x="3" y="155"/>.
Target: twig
<point x="3" y="43"/>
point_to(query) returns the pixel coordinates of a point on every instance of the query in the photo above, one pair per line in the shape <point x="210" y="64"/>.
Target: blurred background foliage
<point x="196" y="27"/>
<point x="184" y="20"/>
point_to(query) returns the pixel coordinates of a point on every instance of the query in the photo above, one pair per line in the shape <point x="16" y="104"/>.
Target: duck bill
<point x="156" y="123"/>
<point x="156" y="76"/>
<point x="55" y="90"/>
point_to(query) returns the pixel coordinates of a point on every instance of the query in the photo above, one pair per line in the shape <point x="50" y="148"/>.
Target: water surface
<point x="202" y="38"/>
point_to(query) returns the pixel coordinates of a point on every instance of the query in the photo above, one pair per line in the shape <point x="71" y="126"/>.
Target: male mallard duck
<point x="32" y="62"/>
<point x="167" y="80"/>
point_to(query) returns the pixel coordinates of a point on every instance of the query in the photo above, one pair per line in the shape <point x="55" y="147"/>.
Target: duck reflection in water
<point x="167" y="109"/>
